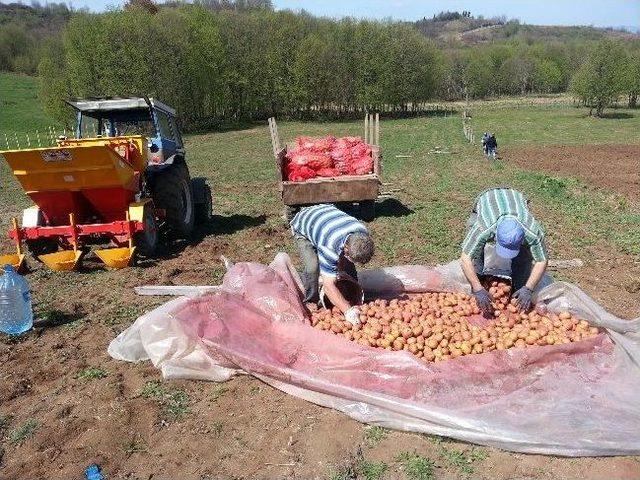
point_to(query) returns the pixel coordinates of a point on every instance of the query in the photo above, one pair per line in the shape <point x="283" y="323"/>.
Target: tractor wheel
<point x="146" y="241"/>
<point x="171" y="191"/>
<point x="368" y="210"/>
<point x="203" y="201"/>
<point x="42" y="246"/>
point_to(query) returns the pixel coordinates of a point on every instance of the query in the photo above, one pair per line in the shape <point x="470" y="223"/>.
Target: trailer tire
<point x="368" y="210"/>
<point x="147" y="241"/>
<point x="288" y="213"/>
<point x="172" y="192"/>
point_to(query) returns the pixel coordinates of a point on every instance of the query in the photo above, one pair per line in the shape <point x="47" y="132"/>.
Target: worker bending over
<point x="501" y="218"/>
<point x="330" y="242"/>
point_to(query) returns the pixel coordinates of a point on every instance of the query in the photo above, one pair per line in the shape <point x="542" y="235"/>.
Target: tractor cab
<point x="123" y="117"/>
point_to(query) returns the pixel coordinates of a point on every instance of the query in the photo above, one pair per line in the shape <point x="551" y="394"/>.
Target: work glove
<point x="352" y="316"/>
<point x="483" y="299"/>
<point x="523" y="298"/>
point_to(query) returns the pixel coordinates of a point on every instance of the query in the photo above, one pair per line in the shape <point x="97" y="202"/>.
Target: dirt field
<point x="615" y="167"/>
<point x="64" y="403"/>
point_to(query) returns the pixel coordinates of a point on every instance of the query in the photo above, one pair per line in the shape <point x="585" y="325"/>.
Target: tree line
<point x="23" y="30"/>
<point x="214" y="63"/>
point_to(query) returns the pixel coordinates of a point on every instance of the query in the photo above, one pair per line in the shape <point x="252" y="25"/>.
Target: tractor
<point x="122" y="181"/>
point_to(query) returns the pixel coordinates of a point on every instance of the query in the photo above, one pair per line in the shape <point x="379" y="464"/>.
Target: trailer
<point x="344" y="189"/>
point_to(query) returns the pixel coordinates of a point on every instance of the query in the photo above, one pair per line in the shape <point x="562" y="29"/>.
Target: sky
<point x="601" y="13"/>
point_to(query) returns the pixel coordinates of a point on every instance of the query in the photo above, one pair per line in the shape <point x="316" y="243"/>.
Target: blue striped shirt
<point x="327" y="228"/>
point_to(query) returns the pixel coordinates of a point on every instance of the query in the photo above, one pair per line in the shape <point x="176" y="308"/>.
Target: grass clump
<point x="91" y="373"/>
<point x="218" y="392"/>
<point x="416" y="467"/>
<point x="216" y="428"/>
<point x="175" y="402"/>
<point x="375" y="434"/>
<point x="463" y="460"/>
<point x="371" y="470"/>
<point x="24" y="432"/>
<point x="134" y="446"/>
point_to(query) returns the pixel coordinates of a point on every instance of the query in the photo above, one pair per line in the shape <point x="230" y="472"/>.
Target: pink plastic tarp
<point x="578" y="399"/>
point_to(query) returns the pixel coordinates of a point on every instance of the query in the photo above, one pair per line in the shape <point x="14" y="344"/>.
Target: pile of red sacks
<point x="327" y="157"/>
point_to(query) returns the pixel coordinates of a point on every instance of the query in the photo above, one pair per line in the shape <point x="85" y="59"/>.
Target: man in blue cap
<point x="501" y="217"/>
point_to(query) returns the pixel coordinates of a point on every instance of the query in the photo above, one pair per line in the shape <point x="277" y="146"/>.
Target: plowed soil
<point x="616" y="167"/>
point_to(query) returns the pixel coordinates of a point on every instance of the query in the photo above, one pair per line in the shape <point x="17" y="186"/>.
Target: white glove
<point x="352" y="316"/>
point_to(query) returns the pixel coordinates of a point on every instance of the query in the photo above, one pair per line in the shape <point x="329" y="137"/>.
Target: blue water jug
<point x="16" y="315"/>
<point x="93" y="472"/>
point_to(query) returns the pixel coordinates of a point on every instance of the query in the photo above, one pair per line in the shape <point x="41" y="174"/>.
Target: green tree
<point x="18" y="51"/>
<point x="601" y="79"/>
<point x="633" y="79"/>
<point x="314" y="72"/>
<point x="547" y="76"/>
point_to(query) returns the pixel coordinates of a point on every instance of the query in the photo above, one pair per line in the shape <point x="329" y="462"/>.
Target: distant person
<point x="501" y="218"/>
<point x="485" y="139"/>
<point x="330" y="243"/>
<point x="491" y="146"/>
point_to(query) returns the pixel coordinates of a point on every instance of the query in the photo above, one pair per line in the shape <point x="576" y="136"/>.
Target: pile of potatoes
<point x="436" y="326"/>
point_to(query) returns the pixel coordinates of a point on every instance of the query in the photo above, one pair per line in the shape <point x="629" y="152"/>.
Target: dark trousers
<point x="311" y="269"/>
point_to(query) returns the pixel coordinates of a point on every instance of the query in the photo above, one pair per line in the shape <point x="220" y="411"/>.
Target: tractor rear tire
<point x="42" y="246"/>
<point x="146" y="242"/>
<point x="203" y="200"/>
<point x="172" y="192"/>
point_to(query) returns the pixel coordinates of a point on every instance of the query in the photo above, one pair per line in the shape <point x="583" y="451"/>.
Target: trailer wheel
<point x="368" y="210"/>
<point x="288" y="213"/>
<point x="172" y="192"/>
<point x="147" y="241"/>
<point x="42" y="246"/>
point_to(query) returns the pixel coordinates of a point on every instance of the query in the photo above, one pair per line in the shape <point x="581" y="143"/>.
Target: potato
<point x="434" y="326"/>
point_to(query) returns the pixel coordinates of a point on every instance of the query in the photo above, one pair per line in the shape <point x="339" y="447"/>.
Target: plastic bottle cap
<point x="9" y="268"/>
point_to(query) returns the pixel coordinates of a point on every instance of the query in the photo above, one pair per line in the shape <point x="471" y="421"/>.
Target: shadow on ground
<point x="219" y="225"/>
<point x="392" y="207"/>
<point x="617" y="115"/>
<point x="55" y="318"/>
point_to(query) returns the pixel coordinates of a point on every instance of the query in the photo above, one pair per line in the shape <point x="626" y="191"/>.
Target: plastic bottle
<point x="16" y="314"/>
<point x="93" y="472"/>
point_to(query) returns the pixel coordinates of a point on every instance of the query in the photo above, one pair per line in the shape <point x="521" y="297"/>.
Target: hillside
<point x="470" y="30"/>
<point x="39" y="20"/>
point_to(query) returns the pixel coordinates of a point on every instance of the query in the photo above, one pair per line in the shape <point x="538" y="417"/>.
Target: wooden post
<point x="275" y="138"/>
<point x="377" y="141"/>
<point x="372" y="129"/>
<point x="366" y="128"/>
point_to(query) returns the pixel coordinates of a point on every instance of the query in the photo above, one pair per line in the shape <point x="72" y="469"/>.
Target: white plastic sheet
<point x="576" y="399"/>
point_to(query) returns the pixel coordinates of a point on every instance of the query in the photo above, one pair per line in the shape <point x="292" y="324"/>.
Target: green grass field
<point x="20" y="107"/>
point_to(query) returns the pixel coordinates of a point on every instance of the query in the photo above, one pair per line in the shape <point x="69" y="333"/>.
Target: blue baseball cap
<point x="509" y="237"/>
